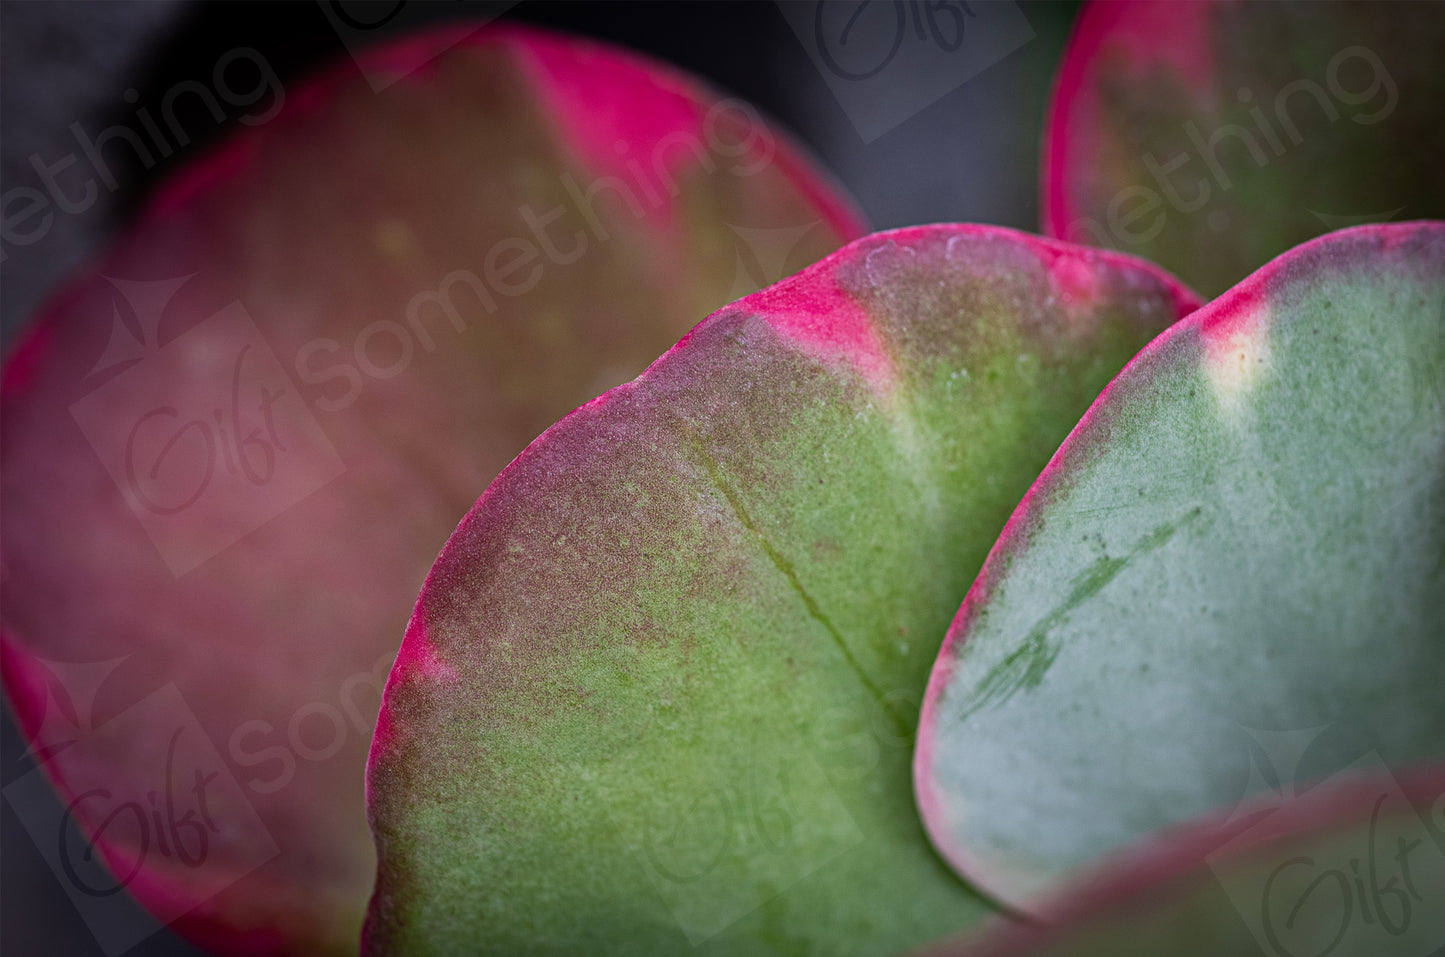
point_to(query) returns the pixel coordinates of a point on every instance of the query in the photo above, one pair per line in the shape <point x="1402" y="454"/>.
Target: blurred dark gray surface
<point x="970" y="155"/>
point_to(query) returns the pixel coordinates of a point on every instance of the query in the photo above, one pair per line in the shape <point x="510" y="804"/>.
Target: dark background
<point x="970" y="156"/>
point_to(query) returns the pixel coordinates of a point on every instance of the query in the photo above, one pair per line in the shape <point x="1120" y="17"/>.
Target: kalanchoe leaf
<point x="1242" y="540"/>
<point x="349" y="320"/>
<point x="660" y="688"/>
<point x="1350" y="868"/>
<point x="1212" y="136"/>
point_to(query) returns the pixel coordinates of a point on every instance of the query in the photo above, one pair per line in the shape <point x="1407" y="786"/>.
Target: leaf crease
<point x="785" y="567"/>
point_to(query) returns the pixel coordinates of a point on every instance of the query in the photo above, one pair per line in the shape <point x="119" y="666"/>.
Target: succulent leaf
<point x="1354" y="868"/>
<point x="234" y="448"/>
<point x="1211" y="137"/>
<point x="1237" y="552"/>
<point x="660" y="689"/>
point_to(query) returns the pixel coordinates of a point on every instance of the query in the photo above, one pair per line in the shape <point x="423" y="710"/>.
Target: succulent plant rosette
<point x="949" y="589"/>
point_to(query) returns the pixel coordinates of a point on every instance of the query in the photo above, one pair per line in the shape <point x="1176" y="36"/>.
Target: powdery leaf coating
<point x="1239" y="547"/>
<point x="1211" y="137"/>
<point x="234" y="448"/>
<point x="1354" y="868"/>
<point x="658" y="693"/>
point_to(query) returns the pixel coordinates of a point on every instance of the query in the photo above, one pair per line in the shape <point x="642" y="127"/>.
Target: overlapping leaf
<point x="659" y="691"/>
<point x="1242" y="546"/>
<point x="1210" y="137"/>
<point x="1354" y="867"/>
<point x="231" y="452"/>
